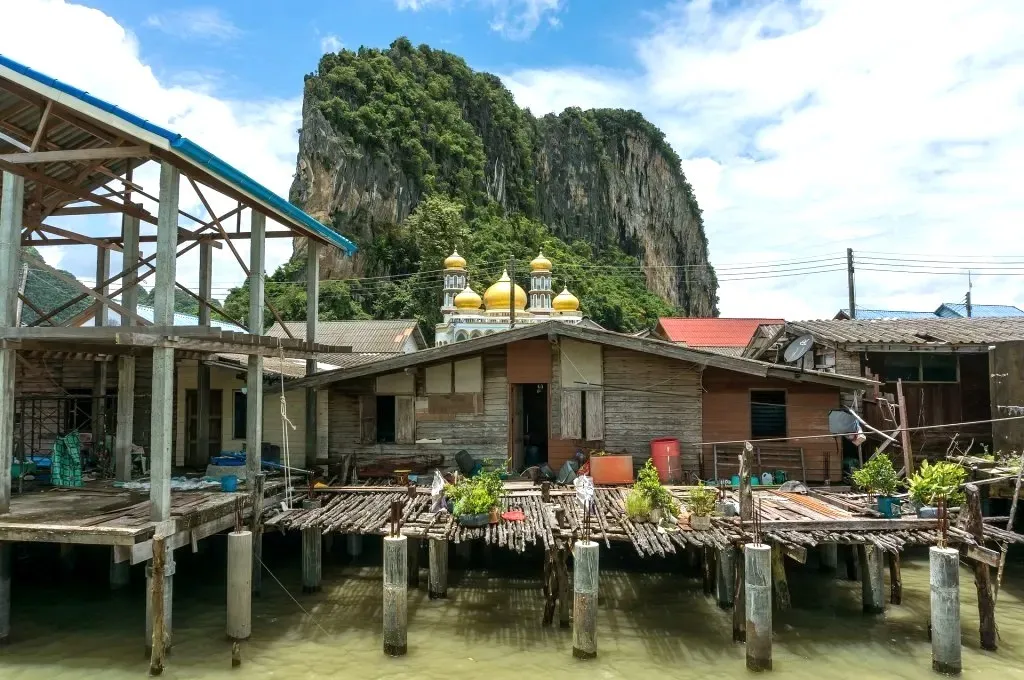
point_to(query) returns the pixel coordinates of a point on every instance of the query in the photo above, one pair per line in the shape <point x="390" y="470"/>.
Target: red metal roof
<point x="711" y="332"/>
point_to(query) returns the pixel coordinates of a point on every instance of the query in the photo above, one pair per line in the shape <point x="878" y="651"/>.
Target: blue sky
<point x="805" y="126"/>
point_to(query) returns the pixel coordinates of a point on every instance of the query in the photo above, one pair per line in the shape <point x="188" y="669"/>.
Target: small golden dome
<point x="540" y="263"/>
<point x="455" y="261"/>
<point x="496" y="297"/>
<point x="565" y="302"/>
<point x="468" y="300"/>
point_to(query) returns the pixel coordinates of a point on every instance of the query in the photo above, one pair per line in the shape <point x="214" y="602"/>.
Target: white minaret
<point x="454" y="280"/>
<point x="540" y="285"/>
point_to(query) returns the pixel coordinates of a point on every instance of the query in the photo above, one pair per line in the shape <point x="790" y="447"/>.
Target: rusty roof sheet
<point x="372" y="337"/>
<point x="924" y="332"/>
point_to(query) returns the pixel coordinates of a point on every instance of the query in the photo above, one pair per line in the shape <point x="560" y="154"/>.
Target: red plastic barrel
<point x="665" y="454"/>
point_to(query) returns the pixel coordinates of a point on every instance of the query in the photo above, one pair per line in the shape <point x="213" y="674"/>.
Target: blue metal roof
<point x="195" y="153"/>
<point x="180" y="319"/>
<point x="863" y="313"/>
<point x="952" y="310"/>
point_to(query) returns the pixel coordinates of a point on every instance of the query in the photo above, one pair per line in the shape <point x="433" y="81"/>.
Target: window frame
<point x="750" y="412"/>
<point x="394" y="419"/>
<point x="920" y="357"/>
<point x="235" y="393"/>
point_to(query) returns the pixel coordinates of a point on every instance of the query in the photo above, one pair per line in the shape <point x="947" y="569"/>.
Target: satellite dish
<point x="798" y="348"/>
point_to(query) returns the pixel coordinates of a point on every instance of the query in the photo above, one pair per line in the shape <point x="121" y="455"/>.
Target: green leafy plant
<point x="649" y="484"/>
<point x="476" y="501"/>
<point x="476" y="495"/>
<point x="702" y="500"/>
<point x="932" y="483"/>
<point x="638" y="505"/>
<point x="877" y="476"/>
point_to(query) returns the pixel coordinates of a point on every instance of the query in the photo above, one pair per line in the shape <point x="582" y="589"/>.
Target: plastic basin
<point x="612" y="469"/>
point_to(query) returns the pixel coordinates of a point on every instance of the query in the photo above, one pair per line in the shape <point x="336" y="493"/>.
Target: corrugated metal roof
<point x="365" y="337"/>
<point x="933" y="331"/>
<point x="959" y="309"/>
<point x="725" y="351"/>
<point x="134" y="127"/>
<point x="714" y="332"/>
<point x="865" y="314"/>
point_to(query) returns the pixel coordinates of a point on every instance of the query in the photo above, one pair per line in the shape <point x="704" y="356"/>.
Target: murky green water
<point x="654" y="625"/>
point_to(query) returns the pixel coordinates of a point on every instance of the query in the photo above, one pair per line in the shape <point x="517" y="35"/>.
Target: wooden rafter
<point x="148" y="238"/>
<point x="76" y="155"/>
<point x="41" y="128"/>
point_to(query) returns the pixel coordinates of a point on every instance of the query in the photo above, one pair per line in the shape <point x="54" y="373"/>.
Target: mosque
<point x="466" y="315"/>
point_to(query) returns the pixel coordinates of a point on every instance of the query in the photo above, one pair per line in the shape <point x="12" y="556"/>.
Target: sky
<point x="806" y="127"/>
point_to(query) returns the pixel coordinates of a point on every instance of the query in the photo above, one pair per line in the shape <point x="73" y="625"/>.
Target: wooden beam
<point x="85" y="210"/>
<point x="852" y="524"/>
<point x="75" y="155"/>
<point x="908" y="453"/>
<point x="41" y="128"/>
<point x="150" y="238"/>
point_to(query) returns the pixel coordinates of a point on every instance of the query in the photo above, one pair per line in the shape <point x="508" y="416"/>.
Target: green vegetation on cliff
<point x="476" y="164"/>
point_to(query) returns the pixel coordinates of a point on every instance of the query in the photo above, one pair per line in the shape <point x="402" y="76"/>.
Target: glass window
<point x="767" y="414"/>
<point x="901" y="366"/>
<point x="238" y="415"/>
<point x="938" y="367"/>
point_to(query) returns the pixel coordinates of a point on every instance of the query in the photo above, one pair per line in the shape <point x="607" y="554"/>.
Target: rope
<point x="286" y="453"/>
<point x="288" y="593"/>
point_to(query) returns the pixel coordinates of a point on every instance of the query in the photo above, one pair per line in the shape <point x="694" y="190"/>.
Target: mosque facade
<point x="468" y="315"/>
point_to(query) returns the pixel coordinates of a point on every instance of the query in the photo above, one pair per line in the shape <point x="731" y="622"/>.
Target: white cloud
<point x="513" y="19"/>
<point x="199" y="23"/>
<point x="330" y="43"/>
<point x="809" y="127"/>
<point x="257" y="137"/>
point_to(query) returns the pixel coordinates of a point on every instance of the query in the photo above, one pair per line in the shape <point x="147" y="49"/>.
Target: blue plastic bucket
<point x="735" y="480"/>
<point x="229" y="483"/>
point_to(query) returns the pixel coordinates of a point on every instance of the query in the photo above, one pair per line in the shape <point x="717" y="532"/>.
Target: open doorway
<point x="529" y="425"/>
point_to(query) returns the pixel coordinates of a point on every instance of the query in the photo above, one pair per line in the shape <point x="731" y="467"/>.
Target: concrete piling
<point x="413" y="563"/>
<point x="437" y="587"/>
<point x="585" y="584"/>
<point x="5" y="592"/>
<point x="828" y="554"/>
<point x="312" y="556"/>
<point x="354" y="543"/>
<point x="726" y="576"/>
<point x="120" y="572"/>
<point x="239" y="622"/>
<point x="757" y="560"/>
<point x="395" y="595"/>
<point x="944" y="578"/>
<point x="872" y="579"/>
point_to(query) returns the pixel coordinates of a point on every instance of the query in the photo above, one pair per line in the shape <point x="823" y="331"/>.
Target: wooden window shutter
<point x="572" y="416"/>
<point x="405" y="420"/>
<point x="368" y="418"/>
<point x="595" y="415"/>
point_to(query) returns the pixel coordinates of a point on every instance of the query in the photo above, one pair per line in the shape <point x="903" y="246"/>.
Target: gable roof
<point x="934" y="331"/>
<point x="16" y="77"/>
<point x="556" y="329"/>
<point x="710" y="332"/>
<point x="864" y="314"/>
<point x="377" y="338"/>
<point x="959" y="309"/>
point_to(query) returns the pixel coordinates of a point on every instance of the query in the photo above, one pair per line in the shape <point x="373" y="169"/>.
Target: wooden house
<point x="537" y="394"/>
<point x="944" y="364"/>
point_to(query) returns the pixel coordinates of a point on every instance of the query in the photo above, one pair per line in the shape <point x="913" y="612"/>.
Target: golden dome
<point x="565" y="302"/>
<point x="540" y="263"/>
<point x="455" y="261"/>
<point x="496" y="297"/>
<point x="468" y="300"/>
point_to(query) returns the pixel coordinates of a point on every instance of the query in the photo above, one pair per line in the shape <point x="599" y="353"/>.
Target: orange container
<point x="665" y="454"/>
<point x="611" y="469"/>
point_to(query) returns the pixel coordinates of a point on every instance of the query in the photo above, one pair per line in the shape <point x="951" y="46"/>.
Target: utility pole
<point x="970" y="287"/>
<point x="968" y="304"/>
<point x="849" y="283"/>
<point x="512" y="292"/>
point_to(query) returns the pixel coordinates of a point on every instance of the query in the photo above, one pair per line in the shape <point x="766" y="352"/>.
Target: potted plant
<point x="648" y="486"/>
<point x="878" y="477"/>
<point x="701" y="505"/>
<point x="934" y="483"/>
<point x="477" y="498"/>
<point x="638" y="506"/>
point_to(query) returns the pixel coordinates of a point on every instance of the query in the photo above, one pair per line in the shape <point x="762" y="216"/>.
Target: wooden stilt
<point x="437" y="586"/>
<point x="726" y="577"/>
<point x="564" y="587"/>
<point x="120" y="573"/>
<point x="709" y="568"/>
<point x="5" y="592"/>
<point x="872" y="579"/>
<point x="739" y="613"/>
<point x="982" y="576"/>
<point x="413" y="556"/>
<point x="779" y="581"/>
<point x="828" y="554"/>
<point x="852" y="562"/>
<point x="895" y="579"/>
<point x="158" y="642"/>
<point x="312" y="552"/>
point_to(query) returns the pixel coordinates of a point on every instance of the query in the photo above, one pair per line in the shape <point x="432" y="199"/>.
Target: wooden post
<point x="872" y="579"/>
<point x="746" y="494"/>
<point x="11" y="207"/>
<point x="203" y="369"/>
<point x="120" y="572"/>
<point x="162" y="405"/>
<point x="5" y="592"/>
<point x="413" y="566"/>
<point x="908" y="454"/>
<point x="565" y="596"/>
<point x="354" y="545"/>
<point x="312" y="320"/>
<point x="739" y="609"/>
<point x="982" y="576"/>
<point x="895" y="579"/>
<point x="123" y="434"/>
<point x="586" y="576"/>
<point x="545" y="492"/>
<point x="758" y="570"/>
<point x="828" y="554"/>
<point x="437" y="585"/>
<point x="852" y="563"/>
<point x="944" y="576"/>
<point x="254" y="375"/>
<point x="395" y="595"/>
<point x="464" y="553"/>
<point x="311" y="552"/>
<point x="779" y="581"/>
<point x="256" y="521"/>
<point x="159" y="575"/>
<point x="100" y="368"/>
<point x="239" y="623"/>
<point x="726" y="576"/>
<point x="709" y="570"/>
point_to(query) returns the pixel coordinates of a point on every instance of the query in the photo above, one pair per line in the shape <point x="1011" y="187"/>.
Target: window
<point x="582" y="414"/>
<point x="767" y="414"/>
<point x="385" y="419"/>
<point x="919" y="367"/>
<point x="239" y="414"/>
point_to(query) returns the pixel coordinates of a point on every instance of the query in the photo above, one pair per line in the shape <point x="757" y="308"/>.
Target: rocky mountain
<point x="384" y="129"/>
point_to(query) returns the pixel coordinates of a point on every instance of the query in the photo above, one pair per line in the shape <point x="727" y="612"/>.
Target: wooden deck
<point x="100" y="514"/>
